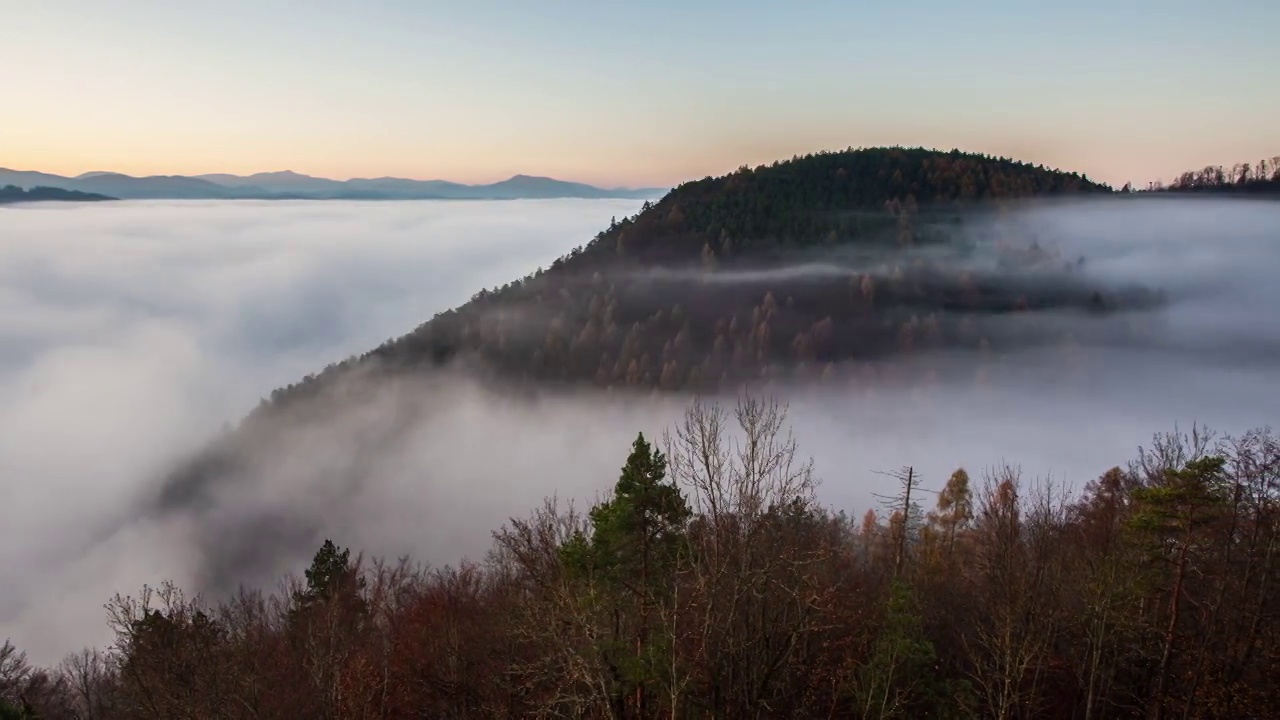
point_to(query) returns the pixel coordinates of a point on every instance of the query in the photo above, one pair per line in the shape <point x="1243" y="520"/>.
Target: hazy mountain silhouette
<point x="156" y="186"/>
<point x="291" y="185"/>
<point x="285" y="182"/>
<point x="10" y="194"/>
<point x="515" y="187"/>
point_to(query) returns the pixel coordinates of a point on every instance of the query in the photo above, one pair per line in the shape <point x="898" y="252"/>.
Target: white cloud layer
<point x="129" y="332"/>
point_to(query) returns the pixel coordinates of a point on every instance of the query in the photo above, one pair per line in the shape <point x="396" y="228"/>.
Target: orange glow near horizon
<point x="1100" y="164"/>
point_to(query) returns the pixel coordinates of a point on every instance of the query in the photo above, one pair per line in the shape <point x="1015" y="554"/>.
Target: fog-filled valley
<point x="1053" y="336"/>
<point x="470" y="361"/>
<point x="133" y="332"/>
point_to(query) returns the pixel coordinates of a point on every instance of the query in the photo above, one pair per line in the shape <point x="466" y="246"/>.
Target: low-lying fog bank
<point x="130" y="338"/>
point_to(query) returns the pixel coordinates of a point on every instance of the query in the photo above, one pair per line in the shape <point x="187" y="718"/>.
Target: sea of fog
<point x="130" y="332"/>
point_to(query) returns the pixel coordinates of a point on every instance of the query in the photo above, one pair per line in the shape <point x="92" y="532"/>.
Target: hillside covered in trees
<point x="711" y="583"/>
<point x="796" y="269"/>
<point x="853" y="270"/>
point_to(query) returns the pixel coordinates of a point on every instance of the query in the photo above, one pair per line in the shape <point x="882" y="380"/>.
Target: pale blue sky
<point x="630" y="93"/>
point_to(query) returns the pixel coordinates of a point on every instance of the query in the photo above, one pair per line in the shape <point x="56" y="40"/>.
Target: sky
<point x="618" y="93"/>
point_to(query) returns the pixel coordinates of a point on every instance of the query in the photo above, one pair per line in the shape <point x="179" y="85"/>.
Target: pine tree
<point x="635" y="540"/>
<point x="329" y="568"/>
<point x="639" y="529"/>
<point x="1173" y="514"/>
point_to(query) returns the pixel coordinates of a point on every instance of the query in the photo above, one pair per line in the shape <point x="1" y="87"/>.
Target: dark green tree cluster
<point x="824" y="198"/>
<point x="626" y="555"/>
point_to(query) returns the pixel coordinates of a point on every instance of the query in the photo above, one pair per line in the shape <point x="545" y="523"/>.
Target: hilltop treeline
<point x="711" y="583"/>
<point x="775" y="271"/>
<point x="1260" y="177"/>
<point x="822" y="198"/>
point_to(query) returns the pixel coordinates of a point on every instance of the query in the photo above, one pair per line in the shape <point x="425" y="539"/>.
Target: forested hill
<point x="783" y="270"/>
<point x="814" y="199"/>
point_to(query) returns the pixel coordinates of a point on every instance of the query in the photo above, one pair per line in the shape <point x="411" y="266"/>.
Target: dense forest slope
<point x="782" y="270"/>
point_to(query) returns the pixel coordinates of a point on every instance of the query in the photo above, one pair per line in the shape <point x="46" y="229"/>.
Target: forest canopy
<point x="710" y="582"/>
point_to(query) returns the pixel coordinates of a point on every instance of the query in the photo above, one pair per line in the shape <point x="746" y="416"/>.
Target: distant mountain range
<point x="290" y="185"/>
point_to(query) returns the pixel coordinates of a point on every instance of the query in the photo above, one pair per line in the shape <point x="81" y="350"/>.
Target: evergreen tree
<point x="900" y="677"/>
<point x="1174" y="514"/>
<point x="638" y="532"/>
<point x="328" y="568"/>
<point x="636" y="538"/>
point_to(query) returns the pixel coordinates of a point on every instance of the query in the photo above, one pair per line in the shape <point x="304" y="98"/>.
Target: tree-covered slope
<point x="804" y="200"/>
<point x="782" y="270"/>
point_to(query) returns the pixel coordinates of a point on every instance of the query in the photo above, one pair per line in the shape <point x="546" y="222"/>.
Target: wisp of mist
<point x="132" y="331"/>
